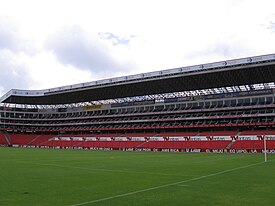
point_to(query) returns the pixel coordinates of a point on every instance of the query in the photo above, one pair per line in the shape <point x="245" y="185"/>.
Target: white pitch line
<point x="166" y="185"/>
<point x="110" y="170"/>
<point x="107" y="170"/>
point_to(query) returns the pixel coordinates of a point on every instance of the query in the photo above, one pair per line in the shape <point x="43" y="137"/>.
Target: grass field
<point x="75" y="177"/>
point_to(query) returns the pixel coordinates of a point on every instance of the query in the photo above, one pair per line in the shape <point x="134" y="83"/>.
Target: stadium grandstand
<point x="226" y="106"/>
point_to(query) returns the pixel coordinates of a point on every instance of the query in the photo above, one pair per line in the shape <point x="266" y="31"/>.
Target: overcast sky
<point x="50" y="43"/>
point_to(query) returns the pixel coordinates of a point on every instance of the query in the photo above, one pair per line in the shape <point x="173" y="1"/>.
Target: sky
<point x="52" y="43"/>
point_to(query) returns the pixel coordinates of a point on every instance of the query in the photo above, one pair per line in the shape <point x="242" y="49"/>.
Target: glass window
<point x="159" y="108"/>
<point x="240" y="101"/>
<point x="189" y="105"/>
<point x="262" y="100"/>
<point x="269" y="100"/>
<point x="214" y="103"/>
<point x="254" y="101"/>
<point x="247" y="101"/>
<point x="207" y="104"/>
<point x="195" y="104"/>
<point x="183" y="106"/>
<point x="201" y="104"/>
<point x="220" y="103"/>
<point x="233" y="102"/>
<point x="226" y="102"/>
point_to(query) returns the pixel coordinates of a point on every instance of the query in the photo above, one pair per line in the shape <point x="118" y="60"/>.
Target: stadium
<point x="226" y="105"/>
<point x="223" y="107"/>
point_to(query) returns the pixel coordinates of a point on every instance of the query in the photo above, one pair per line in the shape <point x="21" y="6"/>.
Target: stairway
<point x="230" y="144"/>
<point x="143" y="143"/>
<point x="7" y="138"/>
<point x="33" y="140"/>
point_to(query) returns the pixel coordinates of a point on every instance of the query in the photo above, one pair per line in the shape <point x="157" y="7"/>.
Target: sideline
<point x="166" y="185"/>
<point x="95" y="170"/>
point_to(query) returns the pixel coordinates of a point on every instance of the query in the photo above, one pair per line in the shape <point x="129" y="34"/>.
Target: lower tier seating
<point x="177" y="140"/>
<point x="3" y="140"/>
<point x="22" y="139"/>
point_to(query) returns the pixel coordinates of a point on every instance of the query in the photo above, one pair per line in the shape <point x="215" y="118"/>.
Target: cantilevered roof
<point x="245" y="71"/>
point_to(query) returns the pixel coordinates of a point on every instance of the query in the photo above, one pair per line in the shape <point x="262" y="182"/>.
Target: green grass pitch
<point x="77" y="177"/>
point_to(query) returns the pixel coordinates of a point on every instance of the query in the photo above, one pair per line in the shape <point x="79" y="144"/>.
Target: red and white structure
<point x="226" y="106"/>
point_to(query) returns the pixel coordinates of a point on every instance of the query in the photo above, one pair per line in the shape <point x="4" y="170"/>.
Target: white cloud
<point x="52" y="74"/>
<point x="75" y="47"/>
<point x="13" y="71"/>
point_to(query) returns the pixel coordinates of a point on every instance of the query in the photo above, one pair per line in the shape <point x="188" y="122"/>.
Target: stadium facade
<point x="226" y="106"/>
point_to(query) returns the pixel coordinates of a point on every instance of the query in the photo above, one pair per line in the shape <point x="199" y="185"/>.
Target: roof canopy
<point x="246" y="71"/>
